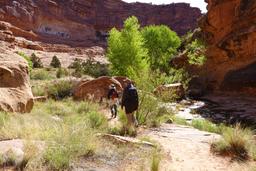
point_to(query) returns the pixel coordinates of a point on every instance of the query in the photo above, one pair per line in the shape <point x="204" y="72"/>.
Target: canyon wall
<point x="229" y="28"/>
<point x="86" y="22"/>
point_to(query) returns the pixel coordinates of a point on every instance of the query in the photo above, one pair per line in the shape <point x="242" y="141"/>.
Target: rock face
<point x="230" y="31"/>
<point x="15" y="90"/>
<point x="96" y="89"/>
<point x="86" y="22"/>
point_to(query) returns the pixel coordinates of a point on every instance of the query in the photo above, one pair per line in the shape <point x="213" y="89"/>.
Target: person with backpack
<point x="130" y="101"/>
<point x="113" y="99"/>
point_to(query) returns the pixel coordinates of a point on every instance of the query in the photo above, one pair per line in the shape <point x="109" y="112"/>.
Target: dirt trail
<point x="188" y="149"/>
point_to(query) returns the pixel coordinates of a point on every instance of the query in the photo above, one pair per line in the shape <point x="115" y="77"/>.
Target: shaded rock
<point x="175" y="90"/>
<point x="35" y="47"/>
<point x="96" y="89"/>
<point x="15" y="90"/>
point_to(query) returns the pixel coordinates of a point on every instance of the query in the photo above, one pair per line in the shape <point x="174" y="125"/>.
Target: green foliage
<point x="96" y="120"/>
<point x="37" y="63"/>
<point x="62" y="72"/>
<point x="149" y="112"/>
<point x="126" y="50"/>
<point x="208" y="126"/>
<point x="237" y="143"/>
<point x="62" y="127"/>
<point x="196" y="52"/>
<point x="155" y="161"/>
<point x="60" y="89"/>
<point x="30" y="64"/>
<point x="95" y="69"/>
<point x="162" y="43"/>
<point x="55" y="63"/>
<point x="40" y="74"/>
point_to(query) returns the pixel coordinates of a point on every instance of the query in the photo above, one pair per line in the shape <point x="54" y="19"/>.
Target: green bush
<point x="196" y="52"/>
<point x="30" y="64"/>
<point x="90" y="67"/>
<point x="37" y="63"/>
<point x="62" y="72"/>
<point x="55" y="63"/>
<point x="149" y="112"/>
<point x="39" y="90"/>
<point x="60" y="89"/>
<point x="95" y="69"/>
<point x="40" y="74"/>
<point x="96" y="120"/>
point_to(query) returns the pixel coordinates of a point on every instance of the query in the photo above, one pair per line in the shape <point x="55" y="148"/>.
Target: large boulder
<point x="122" y="80"/>
<point x="96" y="89"/>
<point x="15" y="90"/>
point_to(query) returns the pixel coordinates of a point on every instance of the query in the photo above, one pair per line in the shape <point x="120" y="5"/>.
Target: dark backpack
<point x="132" y="94"/>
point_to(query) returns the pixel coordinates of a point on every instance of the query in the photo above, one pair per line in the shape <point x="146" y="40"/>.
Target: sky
<point x="194" y="3"/>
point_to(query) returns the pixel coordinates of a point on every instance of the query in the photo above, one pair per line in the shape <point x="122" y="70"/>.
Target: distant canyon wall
<point x="86" y="22"/>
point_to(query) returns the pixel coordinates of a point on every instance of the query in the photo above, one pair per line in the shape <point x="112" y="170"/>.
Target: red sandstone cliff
<point x="230" y="31"/>
<point x="84" y="22"/>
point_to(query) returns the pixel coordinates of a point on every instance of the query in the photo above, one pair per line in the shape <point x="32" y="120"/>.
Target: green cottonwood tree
<point x="126" y="50"/>
<point x="162" y="43"/>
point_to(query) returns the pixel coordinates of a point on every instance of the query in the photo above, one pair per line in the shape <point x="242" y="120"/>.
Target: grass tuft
<point x="237" y="143"/>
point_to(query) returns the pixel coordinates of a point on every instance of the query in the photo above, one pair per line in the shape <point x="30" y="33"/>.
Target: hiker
<point x="130" y="101"/>
<point x="113" y="100"/>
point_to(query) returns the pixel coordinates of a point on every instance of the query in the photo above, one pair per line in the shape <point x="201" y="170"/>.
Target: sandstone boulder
<point x="175" y="91"/>
<point x="96" y="89"/>
<point x="15" y="90"/>
<point x="122" y="80"/>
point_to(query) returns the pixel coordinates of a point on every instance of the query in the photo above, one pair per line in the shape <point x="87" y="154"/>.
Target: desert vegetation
<point x="60" y="131"/>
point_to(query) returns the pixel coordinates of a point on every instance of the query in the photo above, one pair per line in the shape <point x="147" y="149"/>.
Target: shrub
<point x="149" y="112"/>
<point x="95" y="69"/>
<point x="60" y="89"/>
<point x="90" y="67"/>
<point x="30" y="64"/>
<point x="96" y="120"/>
<point x="55" y="63"/>
<point x="237" y="143"/>
<point x="38" y="90"/>
<point x="37" y="63"/>
<point x="62" y="72"/>
<point x="40" y="74"/>
<point x="196" y="52"/>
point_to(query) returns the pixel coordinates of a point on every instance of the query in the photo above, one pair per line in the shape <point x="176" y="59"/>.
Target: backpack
<point x="132" y="94"/>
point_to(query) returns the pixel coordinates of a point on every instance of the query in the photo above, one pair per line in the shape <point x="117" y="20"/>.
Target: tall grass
<point x="66" y="127"/>
<point x="237" y="143"/>
<point x="155" y="161"/>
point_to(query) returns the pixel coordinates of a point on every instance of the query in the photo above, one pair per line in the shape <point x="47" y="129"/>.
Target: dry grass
<point x="68" y="129"/>
<point x="237" y="143"/>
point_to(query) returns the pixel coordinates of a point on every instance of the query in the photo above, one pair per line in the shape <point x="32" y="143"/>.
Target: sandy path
<point x="188" y="149"/>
